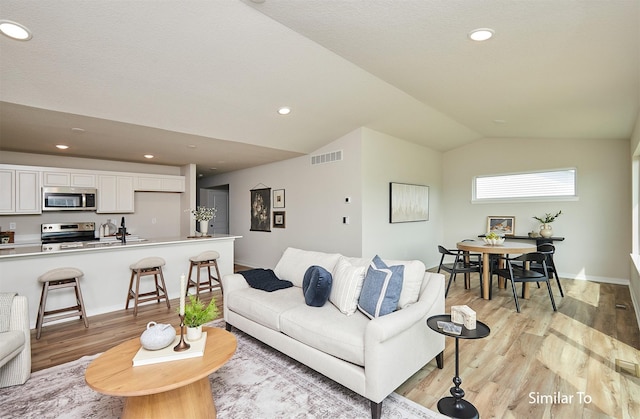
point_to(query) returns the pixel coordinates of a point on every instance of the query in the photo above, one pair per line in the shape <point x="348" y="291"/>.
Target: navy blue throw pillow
<point x="316" y="286"/>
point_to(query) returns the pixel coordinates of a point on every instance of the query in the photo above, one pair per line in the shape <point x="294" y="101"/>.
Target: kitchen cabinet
<point x="115" y="194"/>
<point x="7" y="191"/>
<point x="160" y="183"/>
<point x="28" y="192"/>
<point x="20" y="192"/>
<point x="72" y="179"/>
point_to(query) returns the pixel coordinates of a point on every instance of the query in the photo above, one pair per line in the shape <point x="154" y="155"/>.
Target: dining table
<point x="508" y="247"/>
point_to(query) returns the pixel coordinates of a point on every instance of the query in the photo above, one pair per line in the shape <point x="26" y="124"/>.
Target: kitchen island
<point x="106" y="269"/>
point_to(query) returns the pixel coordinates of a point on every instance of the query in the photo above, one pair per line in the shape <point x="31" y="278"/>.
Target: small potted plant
<point x="203" y="215"/>
<point x="196" y="313"/>
<point x="545" y="229"/>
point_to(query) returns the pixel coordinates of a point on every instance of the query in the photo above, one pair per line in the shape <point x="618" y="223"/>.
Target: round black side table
<point x="456" y="406"/>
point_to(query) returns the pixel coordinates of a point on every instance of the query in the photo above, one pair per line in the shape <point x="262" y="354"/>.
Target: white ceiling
<point x="161" y="77"/>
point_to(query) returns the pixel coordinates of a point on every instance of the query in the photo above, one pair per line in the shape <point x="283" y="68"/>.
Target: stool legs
<point x="159" y="294"/>
<point x="77" y="310"/>
<point x="207" y="284"/>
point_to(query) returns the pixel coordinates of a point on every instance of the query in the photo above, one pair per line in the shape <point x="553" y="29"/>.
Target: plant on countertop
<point x="196" y="313"/>
<point x="548" y="218"/>
<point x="203" y="213"/>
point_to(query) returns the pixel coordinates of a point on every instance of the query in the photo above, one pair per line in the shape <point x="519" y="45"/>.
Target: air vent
<point x="331" y="157"/>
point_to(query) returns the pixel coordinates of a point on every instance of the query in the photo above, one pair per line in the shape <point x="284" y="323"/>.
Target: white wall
<point x="634" y="284"/>
<point x="314" y="199"/>
<point x="389" y="159"/>
<point x="315" y="202"/>
<point x="596" y="227"/>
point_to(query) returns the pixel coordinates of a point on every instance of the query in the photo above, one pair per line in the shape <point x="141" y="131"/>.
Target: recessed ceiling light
<point x="62" y="146"/>
<point x="148" y="156"/>
<point x="77" y="130"/>
<point x="284" y="110"/>
<point x="14" y="30"/>
<point x="481" y="34"/>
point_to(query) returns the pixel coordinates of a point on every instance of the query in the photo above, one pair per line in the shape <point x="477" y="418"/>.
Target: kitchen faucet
<point x="123" y="232"/>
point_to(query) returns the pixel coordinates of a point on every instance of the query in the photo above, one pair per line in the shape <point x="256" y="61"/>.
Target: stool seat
<point x="206" y="259"/>
<point x="205" y="256"/>
<point x="59" y="274"/>
<point x="148" y="263"/>
<point x="54" y="279"/>
<point x="145" y="267"/>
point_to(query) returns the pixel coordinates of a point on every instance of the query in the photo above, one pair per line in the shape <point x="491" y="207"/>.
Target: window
<point x="550" y="185"/>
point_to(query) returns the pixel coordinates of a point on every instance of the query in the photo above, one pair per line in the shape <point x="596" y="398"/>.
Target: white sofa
<point x="15" y="343"/>
<point x="372" y="357"/>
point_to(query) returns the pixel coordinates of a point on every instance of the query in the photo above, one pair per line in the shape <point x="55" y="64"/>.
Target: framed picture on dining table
<point x="501" y="225"/>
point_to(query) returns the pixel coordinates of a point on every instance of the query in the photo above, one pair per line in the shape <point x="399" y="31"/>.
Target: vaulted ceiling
<point x="201" y="81"/>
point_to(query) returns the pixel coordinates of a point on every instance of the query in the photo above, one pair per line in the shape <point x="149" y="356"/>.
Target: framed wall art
<point x="408" y="203"/>
<point x="279" y="219"/>
<point x="261" y="209"/>
<point x="278" y="198"/>
<point x="501" y="225"/>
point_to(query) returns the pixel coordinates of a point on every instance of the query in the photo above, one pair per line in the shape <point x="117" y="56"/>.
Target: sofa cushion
<point x="295" y="262"/>
<point x="263" y="307"/>
<point x="413" y="275"/>
<point x="347" y="284"/>
<point x="381" y="289"/>
<point x="316" y="286"/>
<point x="328" y="330"/>
<point x="11" y="343"/>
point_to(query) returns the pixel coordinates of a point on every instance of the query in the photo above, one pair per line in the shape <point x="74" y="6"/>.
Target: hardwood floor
<point x="532" y="357"/>
<point x="528" y="359"/>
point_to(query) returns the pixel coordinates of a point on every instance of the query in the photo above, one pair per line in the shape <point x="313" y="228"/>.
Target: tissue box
<point x="464" y="315"/>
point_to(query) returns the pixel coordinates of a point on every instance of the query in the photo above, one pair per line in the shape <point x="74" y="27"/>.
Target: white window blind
<point x="531" y="185"/>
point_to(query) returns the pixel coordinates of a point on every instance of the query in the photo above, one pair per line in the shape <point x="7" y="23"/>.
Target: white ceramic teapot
<point x="157" y="336"/>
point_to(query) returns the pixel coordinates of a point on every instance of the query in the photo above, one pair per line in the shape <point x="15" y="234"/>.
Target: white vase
<point x="194" y="333"/>
<point x="546" y="231"/>
<point x="204" y="227"/>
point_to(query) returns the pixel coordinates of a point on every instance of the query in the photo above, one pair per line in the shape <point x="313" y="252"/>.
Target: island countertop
<point x="37" y="249"/>
<point x="106" y="270"/>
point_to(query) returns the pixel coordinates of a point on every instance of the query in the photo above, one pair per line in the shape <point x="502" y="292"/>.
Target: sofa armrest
<point x="233" y="282"/>
<point x="429" y="302"/>
<point x="399" y="344"/>
<point x="18" y="370"/>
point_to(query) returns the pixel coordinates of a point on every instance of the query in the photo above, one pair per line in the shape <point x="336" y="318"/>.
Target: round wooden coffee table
<point x="165" y="390"/>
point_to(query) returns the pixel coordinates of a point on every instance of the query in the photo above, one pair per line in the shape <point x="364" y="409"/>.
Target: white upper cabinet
<point x="20" y="192"/>
<point x="73" y="179"/>
<point x="7" y="191"/>
<point x="115" y="194"/>
<point x="159" y="183"/>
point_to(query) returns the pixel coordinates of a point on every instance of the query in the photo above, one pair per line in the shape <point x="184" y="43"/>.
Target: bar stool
<point x="56" y="279"/>
<point x="205" y="259"/>
<point x="144" y="267"/>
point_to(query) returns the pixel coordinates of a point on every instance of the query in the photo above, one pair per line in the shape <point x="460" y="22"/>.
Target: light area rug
<point x="258" y="382"/>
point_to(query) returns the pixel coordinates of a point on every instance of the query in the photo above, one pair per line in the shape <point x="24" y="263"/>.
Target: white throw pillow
<point x="413" y="275"/>
<point x="346" y="287"/>
<point x="294" y="263"/>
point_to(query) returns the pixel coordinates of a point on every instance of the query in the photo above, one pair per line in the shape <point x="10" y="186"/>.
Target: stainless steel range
<point x="59" y="236"/>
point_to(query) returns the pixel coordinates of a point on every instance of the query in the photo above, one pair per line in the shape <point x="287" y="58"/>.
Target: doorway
<point x="217" y="197"/>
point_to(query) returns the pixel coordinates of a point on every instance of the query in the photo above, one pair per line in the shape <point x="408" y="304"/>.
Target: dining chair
<point x="456" y="261"/>
<point x="515" y="272"/>
<point x="549" y="250"/>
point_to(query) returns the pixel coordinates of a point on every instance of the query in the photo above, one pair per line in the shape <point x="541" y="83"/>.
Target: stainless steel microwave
<point x="68" y="199"/>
